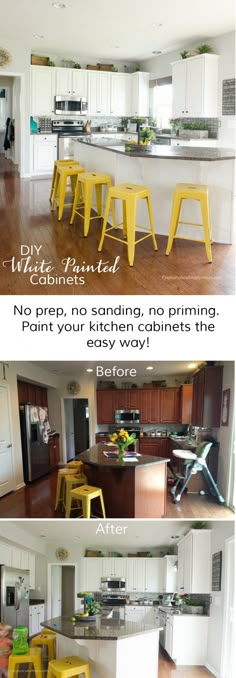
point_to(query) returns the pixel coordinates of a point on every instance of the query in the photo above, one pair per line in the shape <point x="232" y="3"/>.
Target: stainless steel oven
<point x="127" y="417"/>
<point x="113" y="585"/>
<point x="70" y="105"/>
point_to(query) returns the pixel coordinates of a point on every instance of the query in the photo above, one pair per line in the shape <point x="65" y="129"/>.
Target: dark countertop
<point x="36" y="601"/>
<point x="101" y="629"/>
<point x="95" y="457"/>
<point x="167" y="152"/>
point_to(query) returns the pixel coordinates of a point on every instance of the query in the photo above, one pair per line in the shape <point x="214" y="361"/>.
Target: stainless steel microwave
<point x="113" y="585"/>
<point x="127" y="417"/>
<point x="70" y="105"/>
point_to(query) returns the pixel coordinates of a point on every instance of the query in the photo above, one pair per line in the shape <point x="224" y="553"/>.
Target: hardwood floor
<point x="37" y="501"/>
<point x="26" y="219"/>
<point x="167" y="669"/>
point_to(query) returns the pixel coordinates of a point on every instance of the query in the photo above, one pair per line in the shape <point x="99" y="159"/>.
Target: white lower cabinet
<point x="36" y="616"/>
<point x="186" y="639"/>
<point x="140" y="613"/>
<point x="43" y="153"/>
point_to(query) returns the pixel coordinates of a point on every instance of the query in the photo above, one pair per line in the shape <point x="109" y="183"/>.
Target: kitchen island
<point x="113" y="649"/>
<point x="132" y="489"/>
<point x="161" y="169"/>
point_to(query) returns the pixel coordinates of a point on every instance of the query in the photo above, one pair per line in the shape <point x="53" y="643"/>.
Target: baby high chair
<point x="194" y="462"/>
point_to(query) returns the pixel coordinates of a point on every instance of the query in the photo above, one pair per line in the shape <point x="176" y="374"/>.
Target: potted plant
<point x="196" y="130"/>
<point x="192" y="606"/>
<point x="147" y="135"/>
<point x="122" y="439"/>
<point x="176" y="124"/>
<point x="204" y="49"/>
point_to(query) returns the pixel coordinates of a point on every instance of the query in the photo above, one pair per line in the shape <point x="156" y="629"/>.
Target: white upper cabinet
<point x="92" y="574"/>
<point x="135" y="574"/>
<point x="120" y="94"/>
<point x="195" y="87"/>
<point x="42" y="90"/>
<point x="114" y="567"/>
<point x="169" y="574"/>
<point x="71" y="81"/>
<point x="140" y="94"/>
<point x="153" y="578"/>
<point x="194" y="562"/>
<point x="99" y="93"/>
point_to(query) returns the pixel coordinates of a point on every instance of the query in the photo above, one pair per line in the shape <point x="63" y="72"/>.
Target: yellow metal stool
<point x="86" y="182"/>
<point x="129" y="194"/>
<point x="62" y="473"/>
<point x="56" y="164"/>
<point x="197" y="192"/>
<point x="68" y="667"/>
<point x="76" y="465"/>
<point x="86" y="494"/>
<point x="33" y="657"/>
<point x="70" y="483"/>
<point x="48" y="640"/>
<point x="63" y="173"/>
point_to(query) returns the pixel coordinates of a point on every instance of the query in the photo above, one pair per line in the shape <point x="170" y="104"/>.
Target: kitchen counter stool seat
<point x="198" y="192"/>
<point x="46" y="639"/>
<point x="63" y="173"/>
<point x="86" y="182"/>
<point x="129" y="194"/>
<point x="71" y="482"/>
<point x="62" y="473"/>
<point x="68" y="667"/>
<point x="33" y="658"/>
<point x="56" y="165"/>
<point x="86" y="494"/>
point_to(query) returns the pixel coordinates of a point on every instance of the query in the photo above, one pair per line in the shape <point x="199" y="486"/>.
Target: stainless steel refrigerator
<point x="14" y="592"/>
<point x="35" y="429"/>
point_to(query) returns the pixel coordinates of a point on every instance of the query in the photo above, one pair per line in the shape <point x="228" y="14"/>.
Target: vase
<point x="121" y="451"/>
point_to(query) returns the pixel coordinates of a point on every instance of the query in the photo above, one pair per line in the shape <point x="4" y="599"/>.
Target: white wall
<point x="220" y="532"/>
<point x="225" y="434"/>
<point x="224" y="45"/>
<point x="13" y="533"/>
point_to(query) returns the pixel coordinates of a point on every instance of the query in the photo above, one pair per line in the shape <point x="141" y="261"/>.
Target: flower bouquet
<point x="122" y="439"/>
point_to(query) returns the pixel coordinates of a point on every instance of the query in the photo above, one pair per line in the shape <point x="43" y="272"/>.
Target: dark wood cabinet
<point x="32" y="393"/>
<point x="169" y="405"/>
<point x="207" y="394"/>
<point x="105" y="407"/>
<point x="185" y="404"/>
<point x="54" y="451"/>
<point x="150" y="405"/>
<point x="157" y="447"/>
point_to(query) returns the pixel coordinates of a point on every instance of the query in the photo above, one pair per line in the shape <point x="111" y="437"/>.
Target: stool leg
<point x="53" y="182"/>
<point x="98" y="189"/>
<point x="30" y="669"/>
<point x="55" y="190"/>
<point x="131" y="214"/>
<point x="88" y="192"/>
<point x="76" y="201"/>
<point x="102" y="505"/>
<point x="87" y="672"/>
<point x="38" y="666"/>
<point x="12" y="667"/>
<point x="73" y="180"/>
<point x="152" y="228"/>
<point x="107" y="209"/>
<point x="68" y="506"/>
<point x="124" y="218"/>
<point x="62" y="193"/>
<point x="58" y="493"/>
<point x="174" y="220"/>
<point x="86" y="507"/>
<point x="206" y="227"/>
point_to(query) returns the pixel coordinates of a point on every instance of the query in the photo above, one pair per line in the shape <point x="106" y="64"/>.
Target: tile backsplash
<point x="212" y="124"/>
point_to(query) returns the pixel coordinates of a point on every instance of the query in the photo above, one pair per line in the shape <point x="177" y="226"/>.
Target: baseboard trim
<point x="212" y="670"/>
<point x="19" y="487"/>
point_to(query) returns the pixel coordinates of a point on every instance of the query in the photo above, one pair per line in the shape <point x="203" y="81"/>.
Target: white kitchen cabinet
<point x="169" y="636"/>
<point x="169" y="580"/>
<point x="113" y="567"/>
<point x="43" y="152"/>
<point x="25" y="560"/>
<point x="140" y="94"/>
<point x="32" y="570"/>
<point x="153" y="575"/>
<point x="135" y="574"/>
<point x="41" y="615"/>
<point x="195" y="86"/>
<point x="5" y="554"/>
<point x="186" y="639"/>
<point x="135" y="613"/>
<point x="36" y="616"/>
<point x="16" y="558"/>
<point x="120" y="94"/>
<point x="42" y="90"/>
<point x="194" y="562"/>
<point x="71" y="81"/>
<point x="99" y="93"/>
<point x="92" y="574"/>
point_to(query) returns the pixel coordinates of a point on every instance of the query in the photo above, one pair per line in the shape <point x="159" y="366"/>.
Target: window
<point x="162" y="100"/>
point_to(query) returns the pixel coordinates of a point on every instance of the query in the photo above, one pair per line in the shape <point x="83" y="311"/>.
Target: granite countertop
<point x="184" y="444"/>
<point x="36" y="601"/>
<point x="166" y="152"/>
<point x="95" y="457"/>
<point x="101" y="629"/>
<point x="175" y="613"/>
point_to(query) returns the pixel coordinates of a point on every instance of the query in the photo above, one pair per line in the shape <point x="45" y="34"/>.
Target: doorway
<point x="61" y="589"/>
<point x="7" y="483"/>
<point x="11" y="106"/>
<point x="228" y="621"/>
<point x="76" y="426"/>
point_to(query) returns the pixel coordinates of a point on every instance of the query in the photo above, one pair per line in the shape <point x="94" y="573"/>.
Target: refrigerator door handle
<point x="17" y="596"/>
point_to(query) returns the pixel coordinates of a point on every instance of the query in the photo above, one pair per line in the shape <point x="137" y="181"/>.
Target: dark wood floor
<point x="25" y="218"/>
<point x="37" y="501"/>
<point x="167" y="669"/>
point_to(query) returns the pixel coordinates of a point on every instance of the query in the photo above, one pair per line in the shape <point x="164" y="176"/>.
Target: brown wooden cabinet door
<point x="54" y="451"/>
<point x="121" y="399"/>
<point x="156" y="447"/>
<point x="150" y="406"/>
<point x="207" y="394"/>
<point x="44" y="397"/>
<point x="169" y="405"/>
<point x="186" y="398"/>
<point x="105" y="406"/>
<point x="22" y="392"/>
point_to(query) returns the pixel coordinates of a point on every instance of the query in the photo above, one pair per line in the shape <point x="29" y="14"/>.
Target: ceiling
<point x="139" y="533"/>
<point x="116" y="31"/>
<point x="160" y="368"/>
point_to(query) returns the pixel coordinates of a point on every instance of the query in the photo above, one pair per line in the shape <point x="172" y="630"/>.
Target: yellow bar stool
<point x="63" y="173"/>
<point x="62" y="473"/>
<point x="47" y="640"/>
<point x="76" y="465"/>
<point x="86" y="494"/>
<point x="70" y="483"/>
<point x="129" y="194"/>
<point x="68" y="667"/>
<point x="56" y="164"/>
<point x="86" y="182"/>
<point x="197" y="192"/>
<point x="33" y="657"/>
